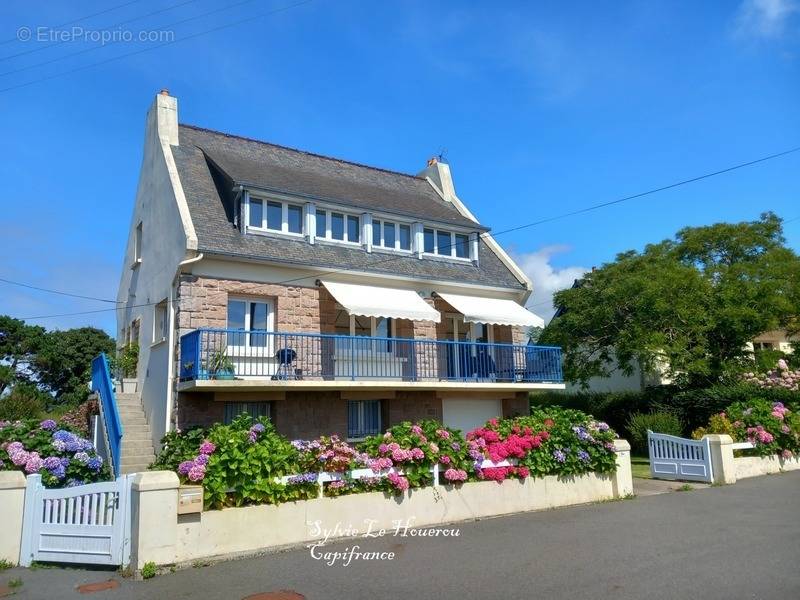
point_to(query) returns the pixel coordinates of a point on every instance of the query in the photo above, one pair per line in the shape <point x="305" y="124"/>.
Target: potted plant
<point x="220" y="365"/>
<point x="125" y="366"/>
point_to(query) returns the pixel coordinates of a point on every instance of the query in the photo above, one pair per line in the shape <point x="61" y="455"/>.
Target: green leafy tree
<point x="687" y="306"/>
<point x="63" y="362"/>
<point x="18" y="346"/>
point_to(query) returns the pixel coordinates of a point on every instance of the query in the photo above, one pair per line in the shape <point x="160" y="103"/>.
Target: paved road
<point x="736" y="542"/>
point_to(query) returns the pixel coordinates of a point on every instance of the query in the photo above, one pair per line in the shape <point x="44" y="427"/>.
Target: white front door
<point x="467" y="414"/>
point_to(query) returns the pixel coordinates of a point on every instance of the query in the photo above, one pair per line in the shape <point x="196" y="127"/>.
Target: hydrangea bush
<point x="60" y="455"/>
<point x="237" y="464"/>
<point x="248" y="462"/>
<point x="415" y="448"/>
<point x="781" y="377"/>
<point x="550" y="441"/>
<point x="772" y="427"/>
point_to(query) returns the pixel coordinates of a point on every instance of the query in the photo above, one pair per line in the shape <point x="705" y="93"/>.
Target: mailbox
<point x="190" y="499"/>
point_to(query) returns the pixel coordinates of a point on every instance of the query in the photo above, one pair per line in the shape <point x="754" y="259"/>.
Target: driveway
<point x="730" y="543"/>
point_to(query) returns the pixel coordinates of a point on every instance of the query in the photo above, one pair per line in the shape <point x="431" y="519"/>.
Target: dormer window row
<point x="329" y="224"/>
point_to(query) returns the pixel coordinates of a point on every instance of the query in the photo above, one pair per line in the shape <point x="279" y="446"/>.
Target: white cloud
<point x="764" y="18"/>
<point x="547" y="278"/>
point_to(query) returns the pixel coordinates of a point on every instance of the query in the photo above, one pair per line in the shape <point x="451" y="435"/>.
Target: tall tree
<point x="63" y="362"/>
<point x="18" y="346"/>
<point x="687" y="305"/>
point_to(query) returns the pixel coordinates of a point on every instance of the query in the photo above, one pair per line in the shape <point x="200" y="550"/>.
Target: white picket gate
<point x="674" y="457"/>
<point x="88" y="524"/>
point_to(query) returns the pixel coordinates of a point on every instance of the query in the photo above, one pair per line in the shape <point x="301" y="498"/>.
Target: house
<point x="778" y="339"/>
<point x="329" y="296"/>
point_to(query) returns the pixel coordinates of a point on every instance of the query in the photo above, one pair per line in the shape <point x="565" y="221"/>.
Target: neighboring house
<point x="329" y="296"/>
<point x="775" y="340"/>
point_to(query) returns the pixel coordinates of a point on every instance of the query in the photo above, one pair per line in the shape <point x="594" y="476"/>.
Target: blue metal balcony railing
<point x="233" y="354"/>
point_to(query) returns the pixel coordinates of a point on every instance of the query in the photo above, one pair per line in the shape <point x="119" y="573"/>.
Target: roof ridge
<point x="306" y="152"/>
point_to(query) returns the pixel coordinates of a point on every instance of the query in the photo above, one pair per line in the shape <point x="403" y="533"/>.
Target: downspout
<point x="171" y="342"/>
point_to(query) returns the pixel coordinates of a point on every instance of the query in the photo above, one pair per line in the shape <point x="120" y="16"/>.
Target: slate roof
<point x="210" y="163"/>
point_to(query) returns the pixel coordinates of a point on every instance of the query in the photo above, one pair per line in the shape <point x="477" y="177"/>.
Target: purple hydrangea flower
<point x="48" y="424"/>
<point x="559" y="455"/>
<point x="258" y="428"/>
<point x="583" y="455"/>
<point x="59" y="445"/>
<point x="185" y="466"/>
<point x="34" y="463"/>
<point x="207" y="447"/>
<point x="304" y="478"/>
<point x="95" y="463"/>
<point x="201" y="460"/>
<point x="52" y="462"/>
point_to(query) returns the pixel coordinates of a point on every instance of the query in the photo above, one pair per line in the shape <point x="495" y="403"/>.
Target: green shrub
<point x="24" y="402"/>
<point x="696" y="406"/>
<point x="127" y="362"/>
<point x="612" y="407"/>
<point x="657" y="422"/>
<point x="149" y="570"/>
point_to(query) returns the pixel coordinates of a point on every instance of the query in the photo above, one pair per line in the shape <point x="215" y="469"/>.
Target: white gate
<point x="87" y="524"/>
<point x="673" y="457"/>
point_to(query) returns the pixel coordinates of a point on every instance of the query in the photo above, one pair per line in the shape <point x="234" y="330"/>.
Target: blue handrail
<point x="215" y="353"/>
<point x="102" y="385"/>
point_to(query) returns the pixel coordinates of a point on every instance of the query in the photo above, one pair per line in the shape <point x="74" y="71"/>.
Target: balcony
<point x="302" y="360"/>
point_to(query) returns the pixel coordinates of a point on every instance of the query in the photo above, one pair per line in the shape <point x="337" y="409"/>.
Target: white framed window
<point x="250" y="319"/>
<point x="359" y="326"/>
<point x="338" y="226"/>
<point x="275" y="215"/>
<point x="137" y="245"/>
<point x="446" y="243"/>
<point x="391" y="235"/>
<point x="363" y="419"/>
<point x="160" y="322"/>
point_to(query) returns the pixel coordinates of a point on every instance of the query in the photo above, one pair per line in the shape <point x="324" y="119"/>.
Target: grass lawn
<point x="640" y="466"/>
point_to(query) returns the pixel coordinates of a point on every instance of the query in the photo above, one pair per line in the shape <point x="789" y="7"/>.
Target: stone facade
<point x="203" y="302"/>
<point x="308" y="415"/>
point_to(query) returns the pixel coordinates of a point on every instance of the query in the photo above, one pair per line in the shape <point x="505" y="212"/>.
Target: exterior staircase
<point x="137" y="443"/>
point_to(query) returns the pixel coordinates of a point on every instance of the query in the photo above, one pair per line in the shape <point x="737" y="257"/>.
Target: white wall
<point x="166" y="234"/>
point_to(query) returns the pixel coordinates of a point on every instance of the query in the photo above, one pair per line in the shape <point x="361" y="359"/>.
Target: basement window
<point x="363" y="419"/>
<point x="254" y="409"/>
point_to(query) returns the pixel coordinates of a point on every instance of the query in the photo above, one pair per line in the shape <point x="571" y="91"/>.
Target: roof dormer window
<point x="338" y="226"/>
<point x="274" y="215"/>
<point x="446" y="243"/>
<point x="391" y="235"/>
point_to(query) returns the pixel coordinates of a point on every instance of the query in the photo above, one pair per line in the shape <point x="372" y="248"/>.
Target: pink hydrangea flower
<point x="455" y="475"/>
<point x="207" y="447"/>
<point x="417" y="454"/>
<point x="443" y="434"/>
<point x="197" y="472"/>
<point x="398" y="481"/>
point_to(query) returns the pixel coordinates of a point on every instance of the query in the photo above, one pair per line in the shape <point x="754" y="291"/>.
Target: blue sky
<point x="540" y="109"/>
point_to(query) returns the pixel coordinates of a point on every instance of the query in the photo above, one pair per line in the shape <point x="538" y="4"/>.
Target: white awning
<point x="492" y="311"/>
<point x="373" y="301"/>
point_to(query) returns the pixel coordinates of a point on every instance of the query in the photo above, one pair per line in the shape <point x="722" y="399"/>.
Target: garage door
<point x="467" y="414"/>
